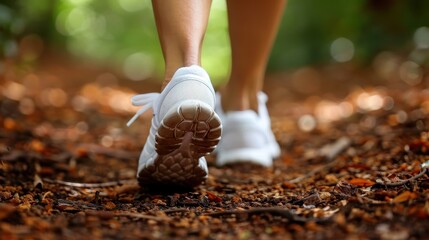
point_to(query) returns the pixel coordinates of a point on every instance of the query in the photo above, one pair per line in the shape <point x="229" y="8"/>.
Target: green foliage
<point x="309" y="27"/>
<point x="111" y="31"/>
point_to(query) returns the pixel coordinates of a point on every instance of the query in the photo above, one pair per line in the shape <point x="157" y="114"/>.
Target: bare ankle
<point x="239" y="101"/>
<point x="171" y="68"/>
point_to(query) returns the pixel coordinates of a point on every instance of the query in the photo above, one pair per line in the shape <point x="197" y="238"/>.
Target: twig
<point x="37" y="183"/>
<point x="305" y="199"/>
<point x="282" y="212"/>
<point x="330" y="152"/>
<point x="314" y="171"/>
<point x="108" y="214"/>
<point x="360" y="198"/>
<point x="379" y="183"/>
<point x="109" y="152"/>
<point x="89" y="185"/>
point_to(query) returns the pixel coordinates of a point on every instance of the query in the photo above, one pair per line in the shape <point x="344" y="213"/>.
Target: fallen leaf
<point x="236" y="199"/>
<point x="288" y="185"/>
<point x="361" y="182"/>
<point x="213" y="198"/>
<point x="24" y="206"/>
<point x="331" y="179"/>
<point x="37" y="146"/>
<point x="109" y="205"/>
<point x="405" y="196"/>
<point x="418" y="146"/>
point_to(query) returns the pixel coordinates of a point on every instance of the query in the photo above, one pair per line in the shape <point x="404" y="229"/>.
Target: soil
<point x="353" y="164"/>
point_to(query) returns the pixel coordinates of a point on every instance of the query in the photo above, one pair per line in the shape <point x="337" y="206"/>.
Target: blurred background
<point x="122" y="33"/>
<point x="88" y="53"/>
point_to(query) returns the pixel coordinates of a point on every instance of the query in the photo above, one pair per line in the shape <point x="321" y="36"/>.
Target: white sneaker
<point x="184" y="128"/>
<point x="247" y="136"/>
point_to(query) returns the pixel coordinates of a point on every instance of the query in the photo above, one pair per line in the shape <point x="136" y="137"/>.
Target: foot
<point x="184" y="128"/>
<point x="247" y="136"/>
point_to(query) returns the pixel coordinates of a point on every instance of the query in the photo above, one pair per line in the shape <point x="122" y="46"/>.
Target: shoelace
<point x="146" y="100"/>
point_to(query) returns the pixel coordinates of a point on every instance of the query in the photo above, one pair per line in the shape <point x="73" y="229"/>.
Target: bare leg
<point x="253" y="26"/>
<point x="181" y="28"/>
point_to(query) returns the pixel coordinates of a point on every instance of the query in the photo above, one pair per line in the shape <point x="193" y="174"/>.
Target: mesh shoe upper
<point x="184" y="128"/>
<point x="247" y="136"/>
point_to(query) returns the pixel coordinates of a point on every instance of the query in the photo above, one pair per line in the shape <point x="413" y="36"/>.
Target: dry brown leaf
<point x="361" y="182"/>
<point x="109" y="205"/>
<point x="213" y="198"/>
<point x="37" y="146"/>
<point x="288" y="185"/>
<point x="405" y="196"/>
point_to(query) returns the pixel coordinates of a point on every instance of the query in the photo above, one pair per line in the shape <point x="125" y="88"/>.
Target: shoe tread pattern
<point x="184" y="136"/>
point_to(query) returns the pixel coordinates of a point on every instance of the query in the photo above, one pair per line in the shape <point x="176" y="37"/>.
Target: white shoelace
<point x="146" y="100"/>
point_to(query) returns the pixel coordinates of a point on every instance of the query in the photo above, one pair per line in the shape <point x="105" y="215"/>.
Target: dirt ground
<point x="354" y="164"/>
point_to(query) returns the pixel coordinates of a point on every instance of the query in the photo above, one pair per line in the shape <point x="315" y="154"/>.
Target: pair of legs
<point x="252" y="28"/>
<point x="185" y="126"/>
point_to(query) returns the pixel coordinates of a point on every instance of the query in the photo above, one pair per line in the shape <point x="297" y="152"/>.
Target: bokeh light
<point x="14" y="91"/>
<point x="107" y="141"/>
<point x="119" y="38"/>
<point x="133" y="5"/>
<point x="421" y="37"/>
<point x="401" y="116"/>
<point x="389" y="103"/>
<point x="346" y="109"/>
<point x="74" y="21"/>
<point x="411" y="73"/>
<point x="82" y="127"/>
<point x="26" y="106"/>
<point x="138" y="66"/>
<point x="369" y="101"/>
<point x="386" y="65"/>
<point x="327" y="111"/>
<point x="342" y="49"/>
<point x="80" y="103"/>
<point x="55" y="97"/>
<point x="78" y="2"/>
<point x="307" y="123"/>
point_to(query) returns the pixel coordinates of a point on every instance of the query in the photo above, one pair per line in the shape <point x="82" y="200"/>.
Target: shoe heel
<point x="188" y="132"/>
<point x="192" y="116"/>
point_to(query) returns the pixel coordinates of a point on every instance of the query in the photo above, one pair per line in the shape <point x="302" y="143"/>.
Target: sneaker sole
<point x="261" y="156"/>
<point x="187" y="133"/>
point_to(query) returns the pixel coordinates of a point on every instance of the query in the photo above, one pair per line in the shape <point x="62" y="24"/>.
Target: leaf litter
<point x="68" y="172"/>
